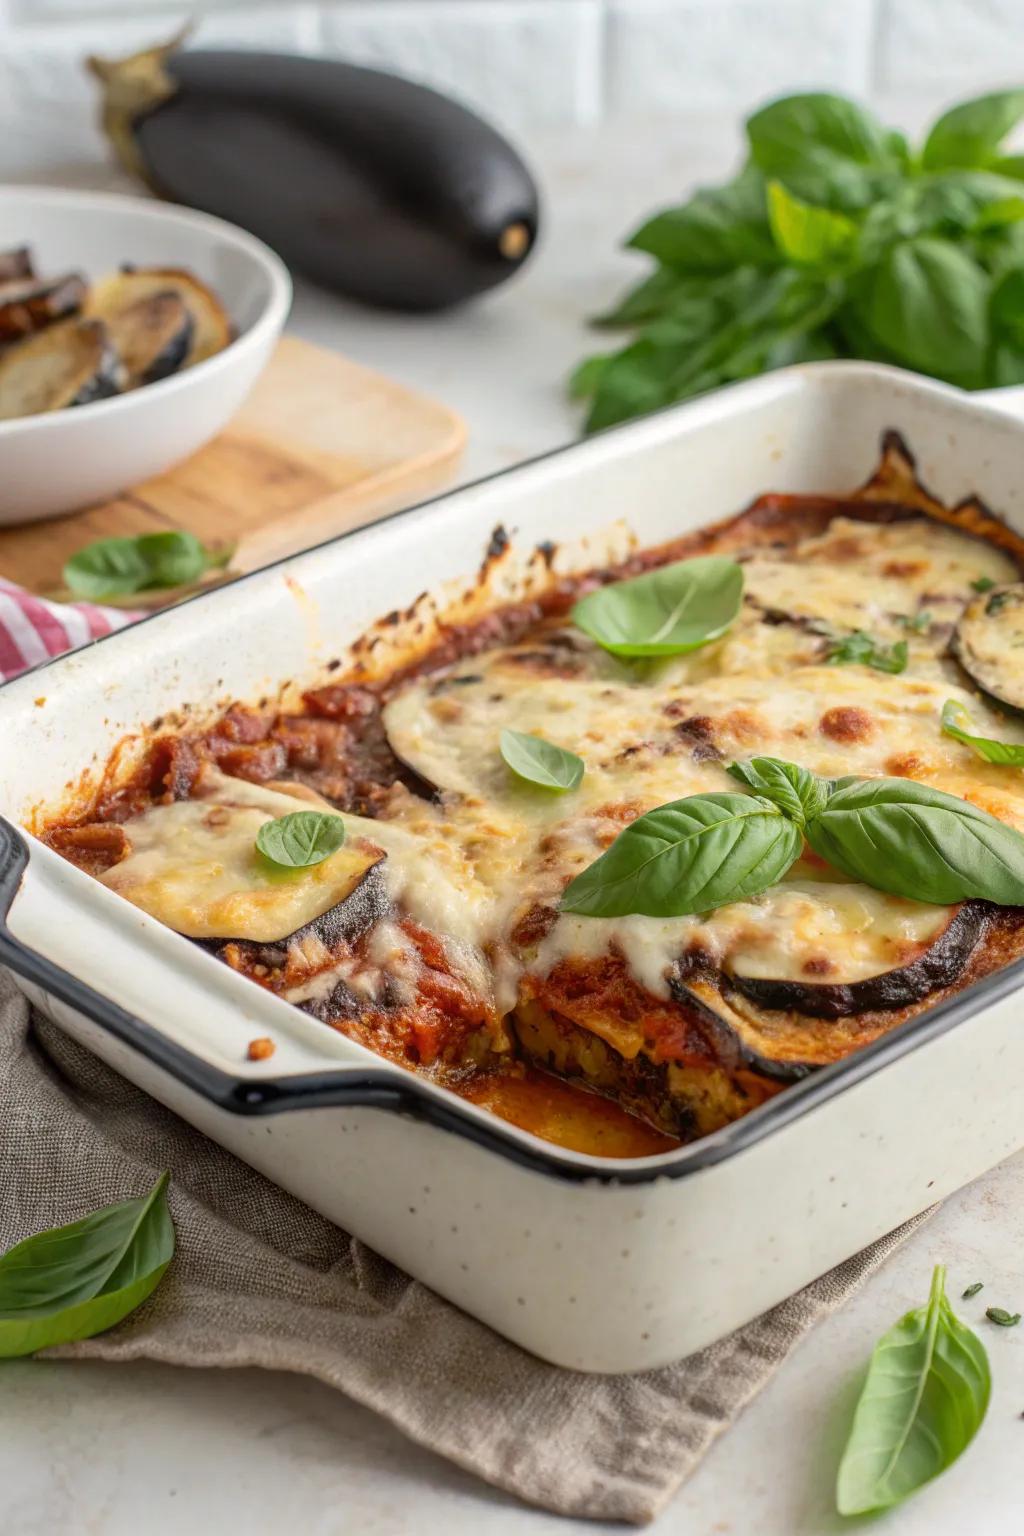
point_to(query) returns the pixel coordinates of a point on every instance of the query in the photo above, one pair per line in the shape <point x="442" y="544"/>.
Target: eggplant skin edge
<point x="373" y="185"/>
<point x="939" y="965"/>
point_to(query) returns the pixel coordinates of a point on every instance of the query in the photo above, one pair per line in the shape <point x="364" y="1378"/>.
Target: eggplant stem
<point x="133" y="87"/>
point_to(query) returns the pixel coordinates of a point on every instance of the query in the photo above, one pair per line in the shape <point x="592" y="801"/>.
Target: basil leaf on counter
<point x="972" y="1290"/>
<point x="861" y="649"/>
<point x="300" y="839"/>
<point x="541" y="762"/>
<point x="688" y="856"/>
<point x="797" y="792"/>
<point x="926" y="1394"/>
<point x="664" y="612"/>
<point x="119" y="567"/>
<point x="907" y="838"/>
<point x="79" y="1280"/>
<point x="955" y="721"/>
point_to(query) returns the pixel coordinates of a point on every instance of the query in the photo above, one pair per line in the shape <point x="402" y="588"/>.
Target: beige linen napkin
<point x="259" y="1279"/>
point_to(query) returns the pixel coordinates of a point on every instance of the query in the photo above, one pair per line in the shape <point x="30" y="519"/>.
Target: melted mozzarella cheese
<point x="195" y="866"/>
<point x="471" y="864"/>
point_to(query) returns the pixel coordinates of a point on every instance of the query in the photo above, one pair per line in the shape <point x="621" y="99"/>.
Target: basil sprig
<point x="955" y="722"/>
<point x="300" y="839"/>
<point x="862" y="649"/>
<point x="892" y="834"/>
<point x="926" y="1394"/>
<point x="121" y="567"/>
<point x="911" y="840"/>
<point x="795" y="790"/>
<point x="688" y="856"/>
<point x="541" y="762"/>
<point x="79" y="1280"/>
<point x="835" y="239"/>
<point x="664" y="612"/>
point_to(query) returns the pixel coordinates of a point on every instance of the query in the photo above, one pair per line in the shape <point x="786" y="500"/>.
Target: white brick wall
<point x="531" y="63"/>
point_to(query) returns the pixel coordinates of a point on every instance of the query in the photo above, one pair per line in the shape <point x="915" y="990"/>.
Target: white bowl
<point x="64" y="460"/>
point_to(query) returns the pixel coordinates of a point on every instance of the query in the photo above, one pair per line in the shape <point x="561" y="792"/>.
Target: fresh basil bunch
<point x="836" y="239"/>
<point x="895" y="835"/>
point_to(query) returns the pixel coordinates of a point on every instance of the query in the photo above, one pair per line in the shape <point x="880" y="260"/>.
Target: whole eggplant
<point x="369" y="184"/>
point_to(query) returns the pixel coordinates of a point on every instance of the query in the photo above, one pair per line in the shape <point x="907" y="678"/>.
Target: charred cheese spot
<point x="846" y="723"/>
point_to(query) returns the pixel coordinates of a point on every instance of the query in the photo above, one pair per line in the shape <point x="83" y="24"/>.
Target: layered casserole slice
<point x="439" y="934"/>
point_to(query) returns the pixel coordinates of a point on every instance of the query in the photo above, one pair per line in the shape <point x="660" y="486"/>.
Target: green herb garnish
<point x="955" y="721"/>
<point x="983" y="584"/>
<point x="541" y="762"/>
<point x="926" y="1394"/>
<point x="1001" y="1317"/>
<point x="121" y="567"/>
<point x="665" y="612"/>
<point x="834" y="240"/>
<point x="894" y="835"/>
<point x="79" y="1280"/>
<point x="861" y="649"/>
<point x="972" y="1290"/>
<point x="917" y="623"/>
<point x="300" y="839"/>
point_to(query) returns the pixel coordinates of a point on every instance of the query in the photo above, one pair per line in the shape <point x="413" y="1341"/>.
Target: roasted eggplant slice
<point x="938" y="964"/>
<point x="211" y="329"/>
<point x="30" y="304"/>
<point x="152" y="336"/>
<point x="16" y="263"/>
<point x="989" y="642"/>
<point x="193" y="865"/>
<point x="71" y="363"/>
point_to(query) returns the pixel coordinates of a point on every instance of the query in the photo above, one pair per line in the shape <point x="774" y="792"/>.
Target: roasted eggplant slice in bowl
<point x="69" y="364"/>
<point x="162" y="319"/>
<point x="60" y="460"/>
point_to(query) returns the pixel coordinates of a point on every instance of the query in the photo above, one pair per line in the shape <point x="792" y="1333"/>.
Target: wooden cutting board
<point x="320" y="446"/>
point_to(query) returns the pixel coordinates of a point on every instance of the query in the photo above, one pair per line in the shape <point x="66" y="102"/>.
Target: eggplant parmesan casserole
<point x="873" y="637"/>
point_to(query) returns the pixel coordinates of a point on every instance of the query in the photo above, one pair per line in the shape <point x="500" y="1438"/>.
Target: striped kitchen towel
<point x="32" y="629"/>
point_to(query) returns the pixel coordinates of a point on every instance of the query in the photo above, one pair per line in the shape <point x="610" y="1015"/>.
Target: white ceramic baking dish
<point x="603" y="1266"/>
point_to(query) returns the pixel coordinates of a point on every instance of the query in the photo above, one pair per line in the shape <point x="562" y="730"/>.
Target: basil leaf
<point x="860" y="649"/>
<point x="805" y="234"/>
<point x="971" y="133"/>
<point x="826" y="149"/>
<point x="900" y="836"/>
<point x="928" y="303"/>
<point x="300" y="839"/>
<point x="972" y="1290"/>
<point x="119" y="567"/>
<point x="955" y="721"/>
<point x="665" y="612"/>
<point x="982" y="584"/>
<point x="541" y="762"/>
<point x="688" y="856"/>
<point x="76" y="1281"/>
<point x="718" y="229"/>
<point x="926" y="1394"/>
<point x="797" y="792"/>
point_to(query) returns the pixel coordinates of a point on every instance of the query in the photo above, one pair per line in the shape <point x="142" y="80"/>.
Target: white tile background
<point x="534" y="64"/>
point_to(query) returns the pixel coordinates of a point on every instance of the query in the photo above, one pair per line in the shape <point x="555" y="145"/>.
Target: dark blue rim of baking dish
<point x="401" y="1092"/>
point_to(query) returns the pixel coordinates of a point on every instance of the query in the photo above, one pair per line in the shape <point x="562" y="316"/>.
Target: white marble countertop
<point x="95" y="1450"/>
